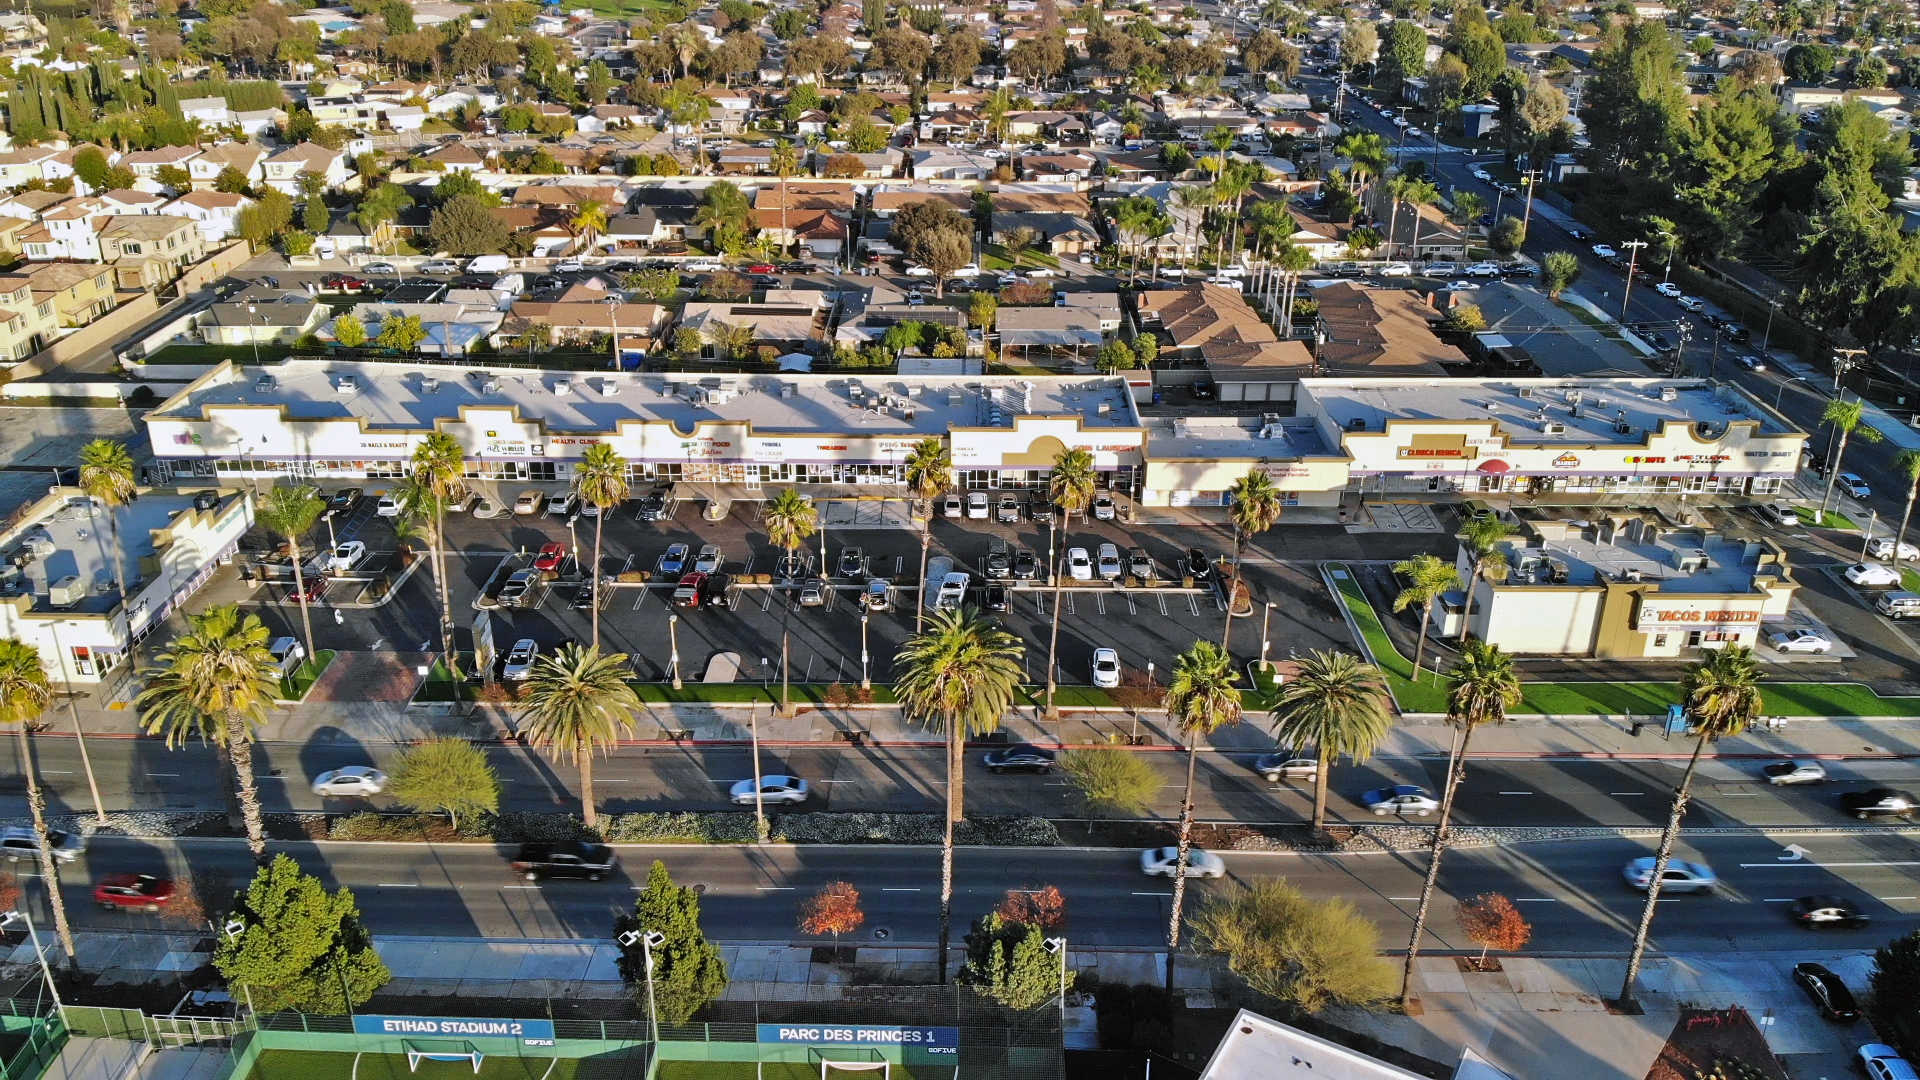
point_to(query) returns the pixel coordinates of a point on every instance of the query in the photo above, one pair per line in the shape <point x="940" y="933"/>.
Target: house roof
<point x="1380" y="332"/>
<point x="901" y="198"/>
<point x="1215" y="321"/>
<point x="564" y="315"/>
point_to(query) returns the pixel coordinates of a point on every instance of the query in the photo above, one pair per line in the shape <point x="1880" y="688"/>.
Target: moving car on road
<point x="564" y="858"/>
<point x="1801" y="640"/>
<point x="351" y="781"/>
<point x="1879" y="802"/>
<point x="1681" y="875"/>
<point x="1691" y="303"/>
<point x="1400" y="799"/>
<point x="520" y="658"/>
<point x="1782" y="773"/>
<point x="1852" y="484"/>
<point x="1106" y="668"/>
<point x="1604" y="251"/>
<point x="1022" y="758"/>
<point x="18" y="842"/>
<point x="133" y="892"/>
<point x="1883" y="547"/>
<point x="1163" y="862"/>
<point x="1825" y="989"/>
<point x="1824" y="910"/>
<point x="774" y="789"/>
<point x="1668" y="289"/>
<point x="1283" y="765"/>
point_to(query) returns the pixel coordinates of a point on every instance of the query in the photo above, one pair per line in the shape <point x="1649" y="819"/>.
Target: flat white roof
<point x="1523" y="407"/>
<point x="397" y="396"/>
<point x="1235" y="437"/>
<point x="1256" y="1048"/>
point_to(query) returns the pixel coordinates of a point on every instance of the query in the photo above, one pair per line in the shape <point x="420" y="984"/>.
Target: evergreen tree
<point x="302" y="948"/>
<point x="1402" y="56"/>
<point x="687" y="969"/>
<point x="1635" y="103"/>
<point x="1009" y="962"/>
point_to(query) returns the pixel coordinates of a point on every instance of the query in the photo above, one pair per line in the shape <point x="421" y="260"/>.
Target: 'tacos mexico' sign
<point x="536" y="1032"/>
<point x="940" y="1040"/>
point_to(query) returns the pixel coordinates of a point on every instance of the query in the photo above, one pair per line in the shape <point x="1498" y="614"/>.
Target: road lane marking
<point x="1403" y="898"/>
<point x="1810" y="865"/>
<point x="396" y="885"/>
<point x="1536" y="900"/>
<point x="1146" y="893"/>
<point x="535" y="887"/>
<point x="58" y="772"/>
<point x="173" y="774"/>
<point x="899" y="890"/>
<point x="1516" y="793"/>
<point x="1626" y="793"/>
<point x="1897" y="897"/>
<point x="1778" y="900"/>
<point x="774" y="888"/>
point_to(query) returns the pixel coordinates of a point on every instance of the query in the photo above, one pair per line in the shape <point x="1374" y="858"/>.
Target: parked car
<point x="1106" y="668"/>
<point x="1879" y="802"/>
<point x="1872" y="574"/>
<point x="1883" y="547"/>
<point x="952" y="506"/>
<point x="1882" y="1062"/>
<point x="1484" y="269"/>
<point x="1007" y="512"/>
<point x="390" y="505"/>
<point x="879" y="594"/>
<point x="1284" y="766"/>
<point x="343" y="500"/>
<point x="1801" y="640"/>
<point x="19" y="842"/>
<point x="564" y="858"/>
<point x="1691" y="303"/>
<point x="1103" y="508"/>
<point x="562" y="503"/>
<point x="1164" y="862"/>
<point x="342" y="283"/>
<point x="519" y="663"/>
<point x="953" y="590"/>
<point x="1079" y="564"/>
<point x="1825" y="989"/>
<point x="439" y="266"/>
<point x="653" y="505"/>
<point x="1781" y="773"/>
<point x="380" y="268"/>
<point x="530" y="502"/>
<point x="1024" y="757"/>
<point x="1140" y="564"/>
<point x="1109" y="562"/>
<point x="1442" y="269"/>
<point x="1026" y="565"/>
<point x="315" y="588"/>
<point x="569" y="266"/>
<point x="1397" y="269"/>
<point x="977" y="505"/>
<point x="708" y="561"/>
<point x="353" y="780"/>
<point x="520" y="589"/>
<point x="813" y="593"/>
<point x="997" y="597"/>
<point x="1852" y="484"/>
<point x="550" y="557"/>
<point x="1605" y="251"/>
<point x="998" y="564"/>
<point x="691" y="592"/>
<point x="1681" y="875"/>
<point x="1400" y="799"/>
<point x="133" y="892"/>
<point x="1197" y="566"/>
<point x="774" y="788"/>
<point x="1824" y="910"/>
<point x="674" y="561"/>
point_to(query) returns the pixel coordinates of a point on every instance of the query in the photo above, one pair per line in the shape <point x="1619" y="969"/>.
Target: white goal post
<point x="850" y="1060"/>
<point x="419" y="1050"/>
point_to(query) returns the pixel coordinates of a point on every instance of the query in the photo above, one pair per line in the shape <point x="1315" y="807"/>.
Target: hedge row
<point x="699" y="828"/>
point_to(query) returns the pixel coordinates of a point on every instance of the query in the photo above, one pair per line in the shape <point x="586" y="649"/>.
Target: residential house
<point x="30" y="204"/>
<point x="1056" y="168"/>
<point x="729" y="114"/>
<point x="1105" y="128"/>
<point x="1059" y="234"/>
<point x="284" y="169"/>
<point x="216" y="212"/>
<point x="247" y="159"/>
<point x="745" y="160"/>
<point x="150" y="251"/>
<point x="638" y="325"/>
<point x="146" y="164"/>
<point x="69" y="230"/>
<point x="13" y="231"/>
<point x="255" y="122"/>
<point x="788" y="321"/>
<point x="1017" y="201"/>
<point x="263" y="317"/>
<point x="18" y="166"/>
<point x="811" y="122"/>
<point x="128" y="202"/>
<point x="884" y="165"/>
<point x="950" y="127"/>
<point x="1383" y="332"/>
<point x="26" y="324"/>
<point x="1054" y="332"/>
<point x="822" y="233"/>
<point x="610" y="118"/>
<point x="79" y="292"/>
<point x="1213" y="324"/>
<point x="941" y="163"/>
<point x="210" y="111"/>
<point x="451" y="329"/>
<point x="550" y="228"/>
<point x="457" y="157"/>
<point x="888" y="201"/>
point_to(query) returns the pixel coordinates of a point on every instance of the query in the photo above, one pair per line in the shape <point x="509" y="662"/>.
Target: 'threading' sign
<point x="940" y="1040"/>
<point x="535" y="1032"/>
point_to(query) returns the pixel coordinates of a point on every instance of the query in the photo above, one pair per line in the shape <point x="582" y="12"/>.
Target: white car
<point x="530" y="502"/>
<point x="1386" y="114"/>
<point x="1483" y="269"/>
<point x="1414" y="132"/>
<point x="1668" y="289"/>
<point x="390" y="506"/>
<point x="569" y="266"/>
<point x="1872" y="574"/>
<point x="994" y="153"/>
<point x="1109" y="560"/>
<point x="953" y="590"/>
<point x="1801" y="640"/>
<point x="1605" y="251"/>
<point x="1164" y="861"/>
<point x="708" y="561"/>
<point x="1781" y="773"/>
<point x="1400" y="122"/>
<point x="978" y="505"/>
<point x="1882" y="1062"/>
<point x="1852" y="484"/>
<point x="1042" y="271"/>
<point x="1106" y="668"/>
<point x="704" y="266"/>
<point x="439" y="266"/>
<point x="379" y="268"/>
<point x="1681" y="876"/>
<point x="773" y="789"/>
<point x="287" y="652"/>
<point x="1079" y="564"/>
<point x="969" y="270"/>
<point x="353" y="780"/>
<point x="520" y="660"/>
<point x="346" y="556"/>
<point x="1691" y="303"/>
<point x="1883" y="547"/>
<point x="1482" y="175"/>
<point x="1396" y="270"/>
<point x="919" y="271"/>
<point x="1401" y="799"/>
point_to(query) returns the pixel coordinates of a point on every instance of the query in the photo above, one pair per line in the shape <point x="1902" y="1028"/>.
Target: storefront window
<point x="542" y="470"/>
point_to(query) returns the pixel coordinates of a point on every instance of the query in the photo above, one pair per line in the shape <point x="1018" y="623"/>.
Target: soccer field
<point x="778" y="1070"/>
<point x="313" y="1065"/>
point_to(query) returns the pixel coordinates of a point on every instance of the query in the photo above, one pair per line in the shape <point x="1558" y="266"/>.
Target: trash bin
<point x="1634" y="728"/>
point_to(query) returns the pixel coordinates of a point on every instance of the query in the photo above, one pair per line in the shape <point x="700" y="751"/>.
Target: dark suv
<point x="566" y="858"/>
<point x="1021" y="758"/>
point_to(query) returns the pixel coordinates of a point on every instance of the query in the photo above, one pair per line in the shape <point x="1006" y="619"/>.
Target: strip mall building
<point x="317" y="420"/>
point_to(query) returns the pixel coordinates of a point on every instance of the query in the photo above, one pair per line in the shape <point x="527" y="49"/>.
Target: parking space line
<point x="1070" y="609"/>
<point x="748" y="569"/>
<point x="899" y="565"/>
<point x="1194" y="603"/>
<point x="1162" y="597"/>
<point x="1100" y="602"/>
<point x="1131" y="610"/>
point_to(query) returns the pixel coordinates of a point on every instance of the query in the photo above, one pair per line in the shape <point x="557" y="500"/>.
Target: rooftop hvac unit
<point x="1358" y="423"/>
<point x="1669" y="393"/>
<point x="206" y="500"/>
<point x="1621" y="427"/>
<point x="1553" y="427"/>
<point x="429" y="384"/>
<point x="263" y="384"/>
<point x="1105" y="408"/>
<point x="788" y="390"/>
<point x="954" y="397"/>
<point x="608" y="388"/>
<point x="563" y="386"/>
<point x="348" y="384"/>
<point x="1574" y="397"/>
<point x="490" y="385"/>
<point x="914" y="391"/>
<point x="1525" y="391"/>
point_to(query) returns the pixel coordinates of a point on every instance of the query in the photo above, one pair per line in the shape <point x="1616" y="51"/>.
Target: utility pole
<point x="1527" y="180"/>
<point x="1844" y="360"/>
<point x="1634" y="246"/>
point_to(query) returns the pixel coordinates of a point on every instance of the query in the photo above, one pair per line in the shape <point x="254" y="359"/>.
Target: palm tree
<point x="1417" y="194"/>
<point x="1467" y="208"/>
<point x="790" y="519"/>
<point x="1427" y="579"/>
<point x="1485" y="686"/>
<point x="215" y="683"/>
<point x="1906" y="464"/>
<point x="1337" y="704"/>
<point x="24" y="694"/>
<point x="784" y="161"/>
<point x="1256" y="506"/>
<point x="1193" y="199"/>
<point x="1368" y="153"/>
<point x="958" y="675"/>
<point x="589" y="222"/>
<point x="601" y="480"/>
<point x="1722" y="696"/>
<point x="1292" y="260"/>
<point x="439" y="474"/>
<point x="930" y="474"/>
<point x="1846" y="417"/>
<point x="578" y="701"/>
<point x="1201" y="698"/>
<point x="1481" y="535"/>
<point x="1071" y="489"/>
<point x="106" y="475"/>
<point x="290" y="512"/>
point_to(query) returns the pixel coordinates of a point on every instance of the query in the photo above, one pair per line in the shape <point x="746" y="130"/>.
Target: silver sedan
<point x="1161" y="862"/>
<point x="354" y="780"/>
<point x="1794" y="772"/>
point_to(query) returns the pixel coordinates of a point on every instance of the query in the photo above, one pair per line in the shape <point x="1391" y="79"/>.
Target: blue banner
<point x="930" y="1038"/>
<point x="455" y="1027"/>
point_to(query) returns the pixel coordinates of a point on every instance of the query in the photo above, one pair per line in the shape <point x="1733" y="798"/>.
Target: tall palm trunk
<point x="1393" y="226"/>
<point x="120" y="582"/>
<point x="920" y="594"/>
<point x="1233" y="589"/>
<point x="241" y="748"/>
<point x="587" y="812"/>
<point x="956" y="765"/>
<point x="1180" y="864"/>
<point x="1420" y="647"/>
<point x="1901" y="536"/>
<point x="1320" y="772"/>
<point x="593" y="574"/>
<point x="1660" y="861"/>
<point x="1466" y="614"/>
<point x="300" y="591"/>
<point x="1456" y="771"/>
<point x="438" y="553"/>
<point x="49" y="872"/>
<point x="1833" y="473"/>
<point x="1053" y="636"/>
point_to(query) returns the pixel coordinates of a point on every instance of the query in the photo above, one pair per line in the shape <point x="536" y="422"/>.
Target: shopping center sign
<point x="1662" y="613"/>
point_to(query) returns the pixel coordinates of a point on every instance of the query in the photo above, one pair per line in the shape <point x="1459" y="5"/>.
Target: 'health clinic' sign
<point x="940" y="1040"/>
<point x="535" y="1032"/>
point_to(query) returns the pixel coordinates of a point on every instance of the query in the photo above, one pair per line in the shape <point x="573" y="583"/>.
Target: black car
<point x="853" y="562"/>
<point x="999" y="564"/>
<point x="566" y="858"/>
<point x="1736" y="333"/>
<point x="766" y="281"/>
<point x="1022" y="758"/>
<point x="1827" y="992"/>
<point x="1660" y="343"/>
<point x="796" y="268"/>
<point x="653" y="505"/>
<point x="720" y="592"/>
<point x="1579" y="234"/>
<point x="342" y="501"/>
<point x="1824" y="910"/>
<point x="789" y="567"/>
<point x="1520" y="270"/>
<point x="1879" y="802"/>
<point x="473" y="281"/>
<point x="1196" y="566"/>
<point x="548" y="281"/>
<point x="996" y="598"/>
<point x="584" y="597"/>
<point x="1203" y="391"/>
<point x="1026" y="565"/>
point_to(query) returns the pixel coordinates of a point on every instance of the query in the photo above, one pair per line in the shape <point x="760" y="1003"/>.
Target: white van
<point x="490" y="264"/>
<point x="1899" y="605"/>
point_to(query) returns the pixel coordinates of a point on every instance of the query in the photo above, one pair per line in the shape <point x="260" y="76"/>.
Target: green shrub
<point x="519" y="827"/>
<point x="682" y="828"/>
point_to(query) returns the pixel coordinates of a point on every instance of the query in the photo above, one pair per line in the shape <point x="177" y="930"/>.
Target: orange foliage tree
<point x="1491" y="922"/>
<point x="834" y="910"/>
<point x="1044" y="908"/>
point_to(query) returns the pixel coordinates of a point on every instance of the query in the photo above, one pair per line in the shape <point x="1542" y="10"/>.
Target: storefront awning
<point x="1491" y="465"/>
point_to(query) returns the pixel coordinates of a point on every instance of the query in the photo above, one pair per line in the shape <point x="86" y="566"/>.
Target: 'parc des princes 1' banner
<point x="939" y="1040"/>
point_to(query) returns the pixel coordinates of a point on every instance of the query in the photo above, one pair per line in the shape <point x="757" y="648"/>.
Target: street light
<point x="1265" y="621"/>
<point x="866" y="682"/>
<point x="1782" y="392"/>
<point x="673" y="654"/>
<point x="38" y="953"/>
<point x="1058" y="947"/>
<point x="1632" y="260"/>
<point x="648" y="940"/>
<point x="1772" y="306"/>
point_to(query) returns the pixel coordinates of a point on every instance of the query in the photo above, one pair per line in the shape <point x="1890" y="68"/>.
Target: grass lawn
<point x="213" y="354"/>
<point x="439" y="683"/>
<point x="295" y="686"/>
<point x="319" y="1065"/>
<point x="995" y="258"/>
<point x="1639" y="698"/>
<point x="1910" y="579"/>
<point x="771" y="1070"/>
<point x="620" y="9"/>
<point x="1834" y="519"/>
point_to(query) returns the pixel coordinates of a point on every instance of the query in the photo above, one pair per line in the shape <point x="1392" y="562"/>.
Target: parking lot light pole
<point x="1265" y="643"/>
<point x="866" y="681"/>
<point x="673" y="647"/>
<point x="1872" y="521"/>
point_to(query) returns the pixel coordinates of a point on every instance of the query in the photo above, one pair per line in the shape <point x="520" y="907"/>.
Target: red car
<point x="762" y="268"/>
<point x="343" y="283"/>
<point x="550" y="557"/>
<point x="120" y="892"/>
<point x="316" y="588"/>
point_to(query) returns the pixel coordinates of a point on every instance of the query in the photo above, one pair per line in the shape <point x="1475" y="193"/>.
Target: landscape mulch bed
<point x="1719" y="1044"/>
